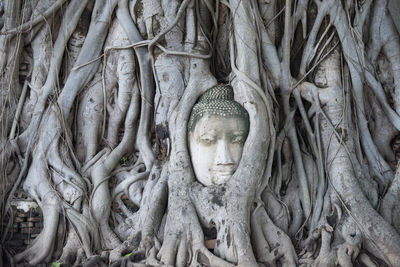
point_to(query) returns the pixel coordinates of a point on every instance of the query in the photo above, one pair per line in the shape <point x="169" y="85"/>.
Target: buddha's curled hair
<point x="219" y="101"/>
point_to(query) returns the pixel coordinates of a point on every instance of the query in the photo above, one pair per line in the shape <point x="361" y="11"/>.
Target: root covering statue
<point x="118" y="121"/>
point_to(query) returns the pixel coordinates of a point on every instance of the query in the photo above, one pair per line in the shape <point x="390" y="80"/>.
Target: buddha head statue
<point x="217" y="130"/>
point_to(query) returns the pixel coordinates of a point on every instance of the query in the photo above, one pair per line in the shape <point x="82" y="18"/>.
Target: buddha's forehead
<point x="211" y="123"/>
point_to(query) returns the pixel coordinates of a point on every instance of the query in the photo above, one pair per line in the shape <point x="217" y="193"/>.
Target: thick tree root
<point x="43" y="245"/>
<point x="328" y="203"/>
<point x="70" y="250"/>
<point x="271" y="244"/>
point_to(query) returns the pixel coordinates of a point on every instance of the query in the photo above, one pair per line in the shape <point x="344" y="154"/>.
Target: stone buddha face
<point x="218" y="128"/>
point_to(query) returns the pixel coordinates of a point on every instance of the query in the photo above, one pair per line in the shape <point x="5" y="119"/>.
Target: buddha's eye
<point x="207" y="139"/>
<point x="237" y="139"/>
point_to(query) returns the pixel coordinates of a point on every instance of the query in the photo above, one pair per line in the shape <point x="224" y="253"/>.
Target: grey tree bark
<point x="95" y="102"/>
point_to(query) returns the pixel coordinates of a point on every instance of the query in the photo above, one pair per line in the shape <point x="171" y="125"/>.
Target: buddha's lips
<point x="224" y="171"/>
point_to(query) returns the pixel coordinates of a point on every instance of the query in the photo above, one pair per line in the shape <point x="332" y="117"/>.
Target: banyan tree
<point x="227" y="132"/>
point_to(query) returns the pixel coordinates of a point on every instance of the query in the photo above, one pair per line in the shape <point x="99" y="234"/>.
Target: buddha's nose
<point x="223" y="154"/>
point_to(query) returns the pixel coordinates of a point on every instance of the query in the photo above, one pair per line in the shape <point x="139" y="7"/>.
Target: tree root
<point x="94" y="261"/>
<point x="271" y="244"/>
<point x="146" y="221"/>
<point x="182" y="249"/>
<point x="71" y="248"/>
<point x="125" y="185"/>
<point x="328" y="204"/>
<point x="43" y="245"/>
<point x="43" y="16"/>
<point x="146" y="84"/>
<point x="389" y="208"/>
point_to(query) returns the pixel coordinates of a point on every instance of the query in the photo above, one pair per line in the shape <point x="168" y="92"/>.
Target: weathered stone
<point x="34" y="219"/>
<point x="218" y="128"/>
<point x="19" y="219"/>
<point x="26" y="224"/>
<point x="21" y="214"/>
<point x="210" y="244"/>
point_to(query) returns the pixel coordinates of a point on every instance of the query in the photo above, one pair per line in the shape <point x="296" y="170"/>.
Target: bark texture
<point x="95" y="100"/>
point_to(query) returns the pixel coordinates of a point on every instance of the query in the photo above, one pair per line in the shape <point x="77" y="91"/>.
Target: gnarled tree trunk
<point x="95" y="102"/>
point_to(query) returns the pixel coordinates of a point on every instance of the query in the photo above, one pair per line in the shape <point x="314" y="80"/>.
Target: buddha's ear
<point x="189" y="135"/>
